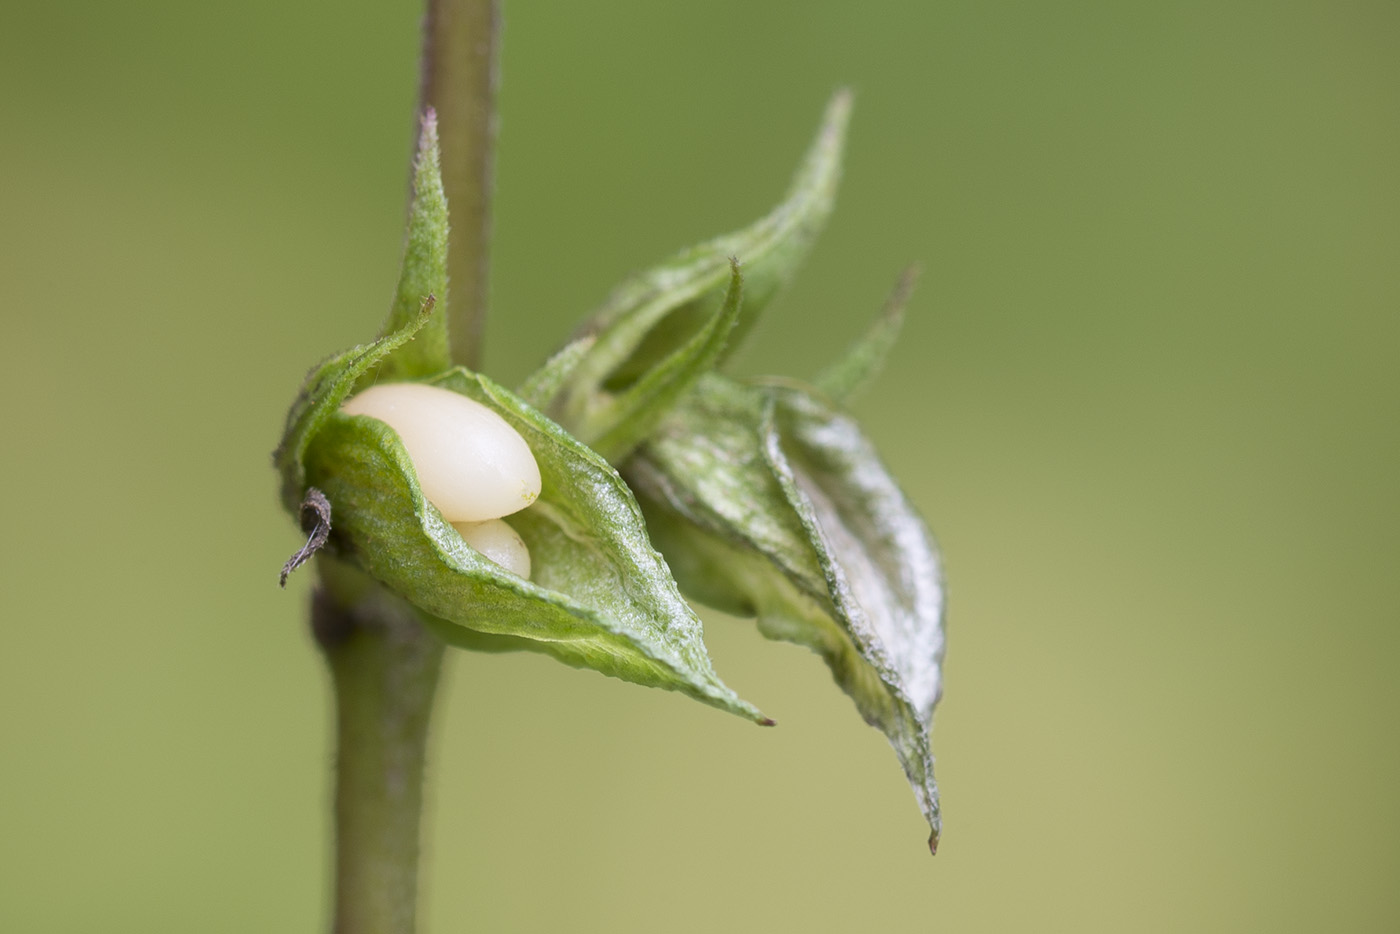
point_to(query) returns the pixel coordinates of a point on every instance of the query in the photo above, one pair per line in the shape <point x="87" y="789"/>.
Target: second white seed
<point x="499" y="542"/>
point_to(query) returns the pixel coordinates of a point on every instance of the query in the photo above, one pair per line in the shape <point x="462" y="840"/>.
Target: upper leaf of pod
<point x="423" y="269"/>
<point x="652" y="321"/>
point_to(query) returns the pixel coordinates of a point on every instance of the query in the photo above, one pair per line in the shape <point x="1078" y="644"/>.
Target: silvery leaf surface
<point x="768" y="501"/>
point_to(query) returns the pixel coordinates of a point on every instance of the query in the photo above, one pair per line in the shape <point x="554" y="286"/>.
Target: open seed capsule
<point x="499" y="542"/>
<point x="471" y="464"/>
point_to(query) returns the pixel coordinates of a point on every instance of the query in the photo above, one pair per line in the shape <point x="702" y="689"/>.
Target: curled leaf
<point x="617" y="423"/>
<point x="650" y="317"/>
<point x="768" y="503"/>
<point x="599" y="596"/>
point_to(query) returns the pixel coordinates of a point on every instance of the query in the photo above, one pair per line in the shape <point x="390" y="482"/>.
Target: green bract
<point x="600" y="596"/>
<point x="769" y="502"/>
<point x="660" y="330"/>
<point x="764" y="496"/>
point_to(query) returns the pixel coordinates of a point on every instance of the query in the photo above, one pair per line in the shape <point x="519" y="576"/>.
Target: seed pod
<point x="471" y="464"/>
<point x="499" y="542"/>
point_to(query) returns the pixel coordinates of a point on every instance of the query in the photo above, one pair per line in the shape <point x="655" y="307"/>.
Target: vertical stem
<point x="384" y="664"/>
<point x="460" y="42"/>
<point x="384" y="669"/>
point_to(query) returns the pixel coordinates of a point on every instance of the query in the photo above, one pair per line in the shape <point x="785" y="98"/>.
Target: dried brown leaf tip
<point x="316" y="523"/>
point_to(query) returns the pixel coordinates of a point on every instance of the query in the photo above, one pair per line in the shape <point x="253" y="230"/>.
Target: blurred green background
<point x="1148" y="399"/>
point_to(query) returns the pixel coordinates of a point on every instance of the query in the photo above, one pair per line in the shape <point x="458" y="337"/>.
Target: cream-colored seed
<point x="471" y="464"/>
<point x="499" y="542"/>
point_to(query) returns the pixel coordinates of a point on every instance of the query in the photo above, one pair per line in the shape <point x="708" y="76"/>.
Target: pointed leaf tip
<point x="423" y="269"/>
<point x="847" y="377"/>
<point x="829" y="142"/>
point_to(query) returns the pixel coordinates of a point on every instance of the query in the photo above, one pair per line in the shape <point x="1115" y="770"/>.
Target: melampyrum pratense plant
<point x="569" y="515"/>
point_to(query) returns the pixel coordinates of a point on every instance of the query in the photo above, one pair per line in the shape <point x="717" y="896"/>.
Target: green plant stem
<point x="459" y="79"/>
<point x="384" y="670"/>
<point x="384" y="664"/>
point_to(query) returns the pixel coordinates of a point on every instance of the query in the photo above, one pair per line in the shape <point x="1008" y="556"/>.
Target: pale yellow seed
<point x="471" y="464"/>
<point x="499" y="542"/>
